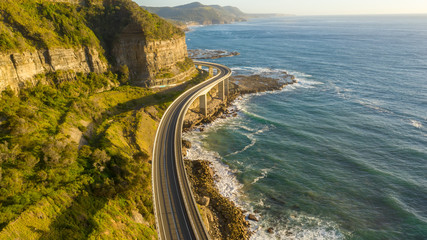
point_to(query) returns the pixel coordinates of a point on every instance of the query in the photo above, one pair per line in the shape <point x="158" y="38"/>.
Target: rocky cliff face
<point x="153" y="49"/>
<point x="18" y="70"/>
<point x="146" y="59"/>
<point x="67" y="1"/>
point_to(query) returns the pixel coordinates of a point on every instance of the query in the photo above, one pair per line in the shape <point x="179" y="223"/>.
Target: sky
<point x="309" y="7"/>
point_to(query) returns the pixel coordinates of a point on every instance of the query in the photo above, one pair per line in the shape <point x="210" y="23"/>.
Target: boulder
<point x="252" y="217"/>
<point x="186" y="144"/>
<point x="137" y="217"/>
<point x="204" y="201"/>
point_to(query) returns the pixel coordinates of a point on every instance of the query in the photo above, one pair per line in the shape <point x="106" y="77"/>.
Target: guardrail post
<point x="203" y="104"/>
<point x="226" y="87"/>
<point x="210" y="71"/>
<point x="221" y="90"/>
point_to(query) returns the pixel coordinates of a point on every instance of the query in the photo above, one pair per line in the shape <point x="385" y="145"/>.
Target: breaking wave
<point x="416" y="123"/>
<point x="225" y="179"/>
<point x="303" y="80"/>
<point x="293" y="226"/>
<point x="297" y="226"/>
<point x="253" y="139"/>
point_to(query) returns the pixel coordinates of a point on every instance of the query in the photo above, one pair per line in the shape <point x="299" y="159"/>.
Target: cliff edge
<point x="44" y="36"/>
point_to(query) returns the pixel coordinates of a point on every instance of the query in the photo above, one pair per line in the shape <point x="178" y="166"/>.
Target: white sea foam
<point x="225" y="179"/>
<point x="374" y="106"/>
<point x="250" y="136"/>
<point x="296" y="226"/>
<point x="304" y="80"/>
<point x="253" y="141"/>
<point x="247" y="128"/>
<point x="343" y="93"/>
<point x="264" y="173"/>
<point x="378" y="108"/>
<point x="416" y="123"/>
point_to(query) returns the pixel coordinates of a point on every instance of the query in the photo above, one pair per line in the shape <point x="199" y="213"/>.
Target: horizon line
<point x="338" y="14"/>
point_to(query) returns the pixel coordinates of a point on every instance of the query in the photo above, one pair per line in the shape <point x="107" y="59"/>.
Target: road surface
<point x="176" y="212"/>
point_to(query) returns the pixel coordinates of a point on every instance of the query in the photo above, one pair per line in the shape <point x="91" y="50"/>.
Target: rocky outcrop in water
<point x="239" y="85"/>
<point x="210" y="54"/>
<point x="258" y="83"/>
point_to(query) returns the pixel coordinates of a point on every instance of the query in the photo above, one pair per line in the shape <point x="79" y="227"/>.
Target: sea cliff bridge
<point x="176" y="211"/>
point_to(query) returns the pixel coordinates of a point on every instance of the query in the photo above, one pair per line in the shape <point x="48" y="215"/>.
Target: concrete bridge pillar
<point x="210" y="71"/>
<point x="203" y="103"/>
<point x="226" y="87"/>
<point x="221" y="90"/>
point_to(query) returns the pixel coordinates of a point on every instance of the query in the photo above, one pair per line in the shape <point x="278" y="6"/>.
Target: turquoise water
<point x="343" y="153"/>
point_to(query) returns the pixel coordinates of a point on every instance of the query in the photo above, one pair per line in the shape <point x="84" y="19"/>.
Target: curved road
<point x="175" y="209"/>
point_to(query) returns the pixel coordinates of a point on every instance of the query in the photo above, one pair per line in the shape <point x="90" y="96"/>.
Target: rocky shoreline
<point x="221" y="216"/>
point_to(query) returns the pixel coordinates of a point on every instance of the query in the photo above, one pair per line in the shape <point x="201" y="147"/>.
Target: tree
<point x="124" y="74"/>
<point x="100" y="158"/>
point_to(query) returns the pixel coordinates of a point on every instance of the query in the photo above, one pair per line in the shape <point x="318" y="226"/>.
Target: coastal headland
<point x="80" y="105"/>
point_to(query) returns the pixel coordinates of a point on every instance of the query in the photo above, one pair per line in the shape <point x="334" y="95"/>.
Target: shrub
<point x="100" y="158"/>
<point x="27" y="24"/>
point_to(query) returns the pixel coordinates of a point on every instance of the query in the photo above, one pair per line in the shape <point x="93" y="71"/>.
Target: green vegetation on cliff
<point x="115" y="16"/>
<point x="183" y="66"/>
<point x="35" y="24"/>
<point x="40" y="24"/>
<point x="75" y="158"/>
<point x="75" y="149"/>
<point x="206" y="14"/>
<point x="199" y="13"/>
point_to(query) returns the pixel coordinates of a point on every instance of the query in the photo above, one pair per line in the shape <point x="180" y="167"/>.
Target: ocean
<point x="342" y="154"/>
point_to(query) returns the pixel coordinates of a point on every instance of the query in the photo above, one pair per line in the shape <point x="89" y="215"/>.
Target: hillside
<point x="75" y="158"/>
<point x="200" y="14"/>
<point x="49" y="35"/>
<point x="76" y="127"/>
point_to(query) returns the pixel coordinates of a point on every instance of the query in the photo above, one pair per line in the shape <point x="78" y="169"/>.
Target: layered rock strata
<point x="18" y="70"/>
<point x="153" y="50"/>
<point x="146" y="59"/>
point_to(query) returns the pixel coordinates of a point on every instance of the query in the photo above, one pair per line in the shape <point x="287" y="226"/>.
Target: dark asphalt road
<point x="176" y="212"/>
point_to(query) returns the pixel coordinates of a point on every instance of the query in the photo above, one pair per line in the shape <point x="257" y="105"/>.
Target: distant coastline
<point x="199" y="14"/>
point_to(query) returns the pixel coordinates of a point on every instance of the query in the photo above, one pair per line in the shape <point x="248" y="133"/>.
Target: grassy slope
<point x="39" y="24"/>
<point x="102" y="190"/>
<point x="29" y="25"/>
<point x="75" y="156"/>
